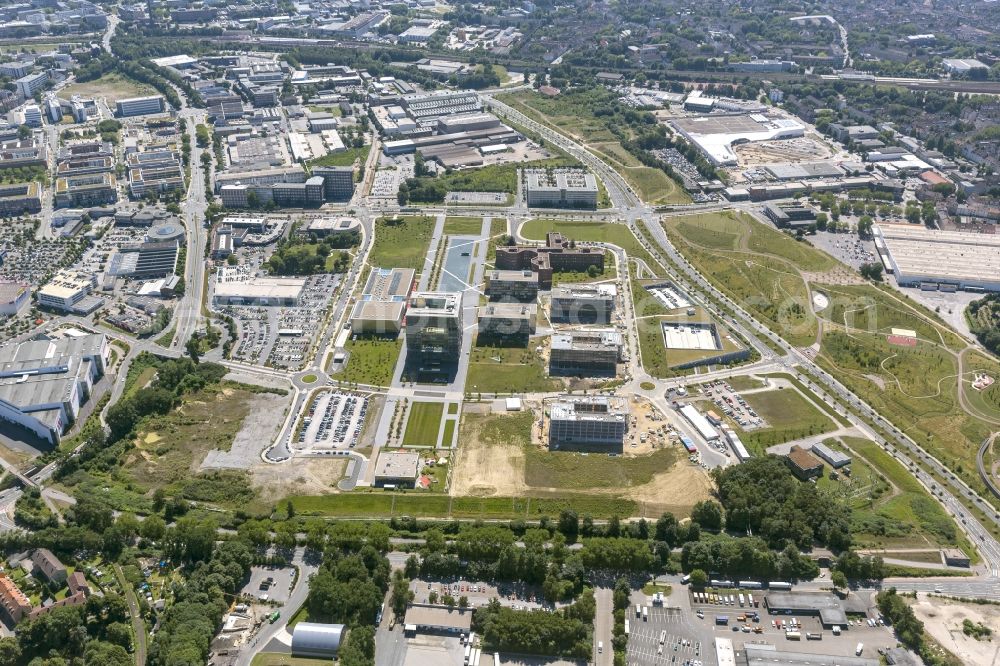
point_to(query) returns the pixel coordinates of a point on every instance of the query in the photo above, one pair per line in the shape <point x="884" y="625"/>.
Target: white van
<point x="600" y="647"/>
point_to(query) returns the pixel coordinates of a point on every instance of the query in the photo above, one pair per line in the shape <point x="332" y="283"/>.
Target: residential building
<point x="561" y="188"/>
<point x="93" y="189"/>
<point x="595" y="423"/>
<point x="48" y="567"/>
<point x="434" y="330"/>
<point x="588" y="352"/>
<point x="14" y="604"/>
<point x="19" y="198"/>
<point x="516" y="285"/>
<point x="583" y="303"/>
<point x="140" y="106"/>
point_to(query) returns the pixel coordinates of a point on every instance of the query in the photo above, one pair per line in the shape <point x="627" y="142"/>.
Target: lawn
<point x="508" y="370"/>
<point x="580" y="471"/>
<point x="449" y="432"/>
<point x="923" y="403"/>
<point x="789" y="416"/>
<point x="344" y="158"/>
<point x="112" y="86"/>
<point x="574" y="117"/>
<point x="744" y="383"/>
<point x="423" y="424"/>
<point x="371" y="360"/>
<point x="372" y="503"/>
<point x="610" y="272"/>
<point x="275" y="659"/>
<point x="401" y="242"/>
<point x="462" y="226"/>
<point x="498" y="229"/>
<point x="602" y="232"/>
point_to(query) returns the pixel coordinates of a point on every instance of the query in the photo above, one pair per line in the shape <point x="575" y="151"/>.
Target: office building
<point x="291" y="174"/>
<point x="557" y="254"/>
<point x="380" y="309"/>
<point x="398" y="469"/>
<point x="595" y="423"/>
<point x="65" y="290"/>
<point x="15" y="70"/>
<point x="583" y="303"/>
<point x="519" y="285"/>
<point x="44" y="382"/>
<point x="93" y="189"/>
<point x="154" y="170"/>
<point x="28" y="85"/>
<point x="507" y="323"/>
<point x="790" y="216"/>
<point x="561" y="188"/>
<point x="32" y="115"/>
<point x="19" y="198"/>
<point x="17" y="153"/>
<point x="140" y="106"/>
<point x="338" y="182"/>
<point x="588" y="352"/>
<point x="434" y="330"/>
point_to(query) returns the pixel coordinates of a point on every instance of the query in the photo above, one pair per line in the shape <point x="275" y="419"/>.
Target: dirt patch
<point x="483" y="468"/>
<point x="303" y="476"/>
<point x="676" y="490"/>
<point x="943" y="620"/>
<point x="877" y="381"/>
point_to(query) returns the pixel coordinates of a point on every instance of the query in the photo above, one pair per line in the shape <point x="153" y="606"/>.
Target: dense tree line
<point x="96" y="631"/>
<point x="761" y="496"/>
<point x="747" y="557"/>
<point x="296" y="257"/>
<point x="984" y="321"/>
<point x="349" y="587"/>
<point x="564" y="633"/>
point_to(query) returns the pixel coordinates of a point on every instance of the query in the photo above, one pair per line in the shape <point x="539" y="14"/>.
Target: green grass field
<point x="572" y="116"/>
<point x="498" y="228"/>
<point x="111" y="86"/>
<point x="449" y="433"/>
<point x="578" y="471"/>
<point x="372" y="360"/>
<point x="517" y="371"/>
<point x="423" y="424"/>
<point x="385" y="504"/>
<point x="462" y="226"/>
<point x="275" y="659"/>
<point x="616" y="234"/>
<point x="344" y="158"/>
<point x="788" y="415"/>
<point x="908" y="519"/>
<point x="402" y="243"/>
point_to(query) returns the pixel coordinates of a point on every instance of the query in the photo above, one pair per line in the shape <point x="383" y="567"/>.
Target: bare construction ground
<point x="260" y="427"/>
<point x="300" y="476"/>
<point x="943" y="619"/>
<point x="495" y="453"/>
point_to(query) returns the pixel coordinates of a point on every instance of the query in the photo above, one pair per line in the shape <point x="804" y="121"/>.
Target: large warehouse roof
<point x="759" y="655"/>
<point x="715" y="135"/>
<point x="958" y="257"/>
<point x="313" y="639"/>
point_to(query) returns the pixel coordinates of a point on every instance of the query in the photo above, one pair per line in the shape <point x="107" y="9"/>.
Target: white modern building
<point x="140" y="106"/>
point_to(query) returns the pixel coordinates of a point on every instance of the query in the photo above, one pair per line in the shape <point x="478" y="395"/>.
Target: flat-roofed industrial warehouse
<point x="933" y="259"/>
<point x="715" y="135"/>
<point x="767" y="655"/>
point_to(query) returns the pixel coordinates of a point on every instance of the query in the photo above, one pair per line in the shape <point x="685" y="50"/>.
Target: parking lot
<point x="730" y="403"/>
<point x="334" y="419"/>
<point x="282" y="336"/>
<point x="663" y="638"/>
<point x="269" y="584"/>
<point x="516" y="596"/>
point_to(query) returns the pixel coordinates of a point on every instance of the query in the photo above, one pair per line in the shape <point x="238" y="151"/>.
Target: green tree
<point x="698" y="578"/>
